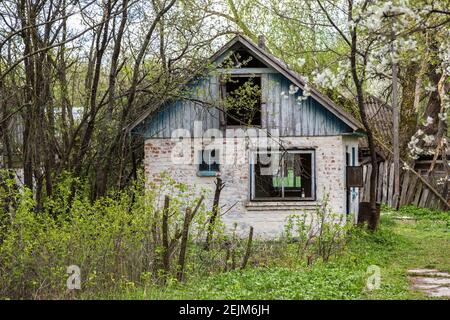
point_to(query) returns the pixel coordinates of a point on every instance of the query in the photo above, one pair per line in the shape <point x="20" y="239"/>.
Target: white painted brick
<point x="330" y="179"/>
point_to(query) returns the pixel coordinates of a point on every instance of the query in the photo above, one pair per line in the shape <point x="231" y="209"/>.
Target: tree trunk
<point x="183" y="245"/>
<point x="215" y="211"/>
<point x="248" y="250"/>
<point x="373" y="222"/>
<point x="165" y="236"/>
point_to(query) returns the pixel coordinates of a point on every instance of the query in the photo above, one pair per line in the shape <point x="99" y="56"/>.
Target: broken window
<point x="209" y="163"/>
<point x="283" y="175"/>
<point x="242" y="100"/>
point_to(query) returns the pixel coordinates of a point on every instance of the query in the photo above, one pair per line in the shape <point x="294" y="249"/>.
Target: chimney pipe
<point x="262" y="42"/>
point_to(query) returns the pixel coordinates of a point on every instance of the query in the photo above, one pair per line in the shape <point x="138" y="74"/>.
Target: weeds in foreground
<point x="118" y="244"/>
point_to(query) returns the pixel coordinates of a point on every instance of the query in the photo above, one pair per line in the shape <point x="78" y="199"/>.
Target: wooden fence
<point x="412" y="190"/>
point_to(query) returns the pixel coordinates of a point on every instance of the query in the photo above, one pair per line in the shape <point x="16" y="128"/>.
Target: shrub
<point x="320" y="234"/>
<point x="116" y="241"/>
<point x="129" y="239"/>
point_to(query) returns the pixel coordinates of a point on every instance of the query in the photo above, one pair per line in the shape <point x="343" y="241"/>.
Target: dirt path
<point x="432" y="282"/>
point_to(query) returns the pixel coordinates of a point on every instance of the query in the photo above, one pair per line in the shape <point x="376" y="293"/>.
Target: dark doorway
<point x="243" y="100"/>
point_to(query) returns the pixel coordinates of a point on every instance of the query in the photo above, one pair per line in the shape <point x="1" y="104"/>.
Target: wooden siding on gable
<point x="283" y="112"/>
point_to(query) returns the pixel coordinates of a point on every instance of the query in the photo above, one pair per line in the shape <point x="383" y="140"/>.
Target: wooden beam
<point x="390" y="200"/>
<point x="385" y="182"/>
<point x="404" y="189"/>
<point x="424" y="181"/>
<point x="395" y="131"/>
<point x="380" y="182"/>
<point x="246" y="71"/>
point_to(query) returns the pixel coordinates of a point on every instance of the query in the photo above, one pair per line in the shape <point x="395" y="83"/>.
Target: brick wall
<point x="267" y="219"/>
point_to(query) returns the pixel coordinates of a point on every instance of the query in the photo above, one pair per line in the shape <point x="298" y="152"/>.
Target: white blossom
<point x="428" y="139"/>
<point x="407" y="44"/>
<point x="442" y="180"/>
<point x="430" y="88"/>
<point x="306" y="91"/>
<point x="328" y="79"/>
<point x="442" y="116"/>
<point x="305" y="94"/>
<point x="293" y="89"/>
<point x="301" y="61"/>
<point x="350" y="24"/>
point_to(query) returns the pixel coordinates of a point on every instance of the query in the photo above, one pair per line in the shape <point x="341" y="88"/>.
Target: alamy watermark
<point x="74" y="280"/>
<point x="228" y="146"/>
<point x="373" y="281"/>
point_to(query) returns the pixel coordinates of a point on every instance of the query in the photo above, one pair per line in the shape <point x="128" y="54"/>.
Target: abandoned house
<point x="311" y="144"/>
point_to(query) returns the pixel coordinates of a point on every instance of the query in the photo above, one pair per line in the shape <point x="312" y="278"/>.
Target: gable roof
<point x="283" y="69"/>
<point x="379" y="114"/>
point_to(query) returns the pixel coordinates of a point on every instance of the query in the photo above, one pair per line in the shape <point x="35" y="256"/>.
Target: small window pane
<point x="297" y="175"/>
<point x="209" y="161"/>
<point x="268" y="182"/>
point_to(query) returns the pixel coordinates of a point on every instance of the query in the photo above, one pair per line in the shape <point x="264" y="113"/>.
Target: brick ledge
<point x="281" y="206"/>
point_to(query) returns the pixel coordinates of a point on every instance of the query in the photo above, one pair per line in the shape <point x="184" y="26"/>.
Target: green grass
<point x="397" y="246"/>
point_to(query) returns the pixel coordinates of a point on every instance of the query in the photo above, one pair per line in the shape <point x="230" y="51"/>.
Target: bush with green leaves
<point x="119" y="242"/>
<point x="319" y="234"/>
<point x="116" y="241"/>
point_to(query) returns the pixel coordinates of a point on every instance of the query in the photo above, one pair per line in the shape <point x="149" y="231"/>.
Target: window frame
<point x="311" y="151"/>
<point x="208" y="173"/>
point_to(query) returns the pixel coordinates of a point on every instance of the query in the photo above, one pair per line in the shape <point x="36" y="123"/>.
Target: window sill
<point x="207" y="173"/>
<point x="281" y="205"/>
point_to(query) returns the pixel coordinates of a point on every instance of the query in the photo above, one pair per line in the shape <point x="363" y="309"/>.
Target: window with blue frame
<point x="209" y="164"/>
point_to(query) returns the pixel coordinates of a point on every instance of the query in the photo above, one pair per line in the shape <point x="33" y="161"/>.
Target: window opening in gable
<point x="243" y="100"/>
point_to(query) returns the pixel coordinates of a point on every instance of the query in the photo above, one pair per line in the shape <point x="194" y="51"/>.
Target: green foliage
<point x="424" y="213"/>
<point x="278" y="273"/>
<point x="244" y="100"/>
<point x="321" y="234"/>
<point x="114" y="241"/>
<point x="320" y="282"/>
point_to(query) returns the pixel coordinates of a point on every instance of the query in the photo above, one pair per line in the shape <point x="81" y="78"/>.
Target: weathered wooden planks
<point x="413" y="191"/>
<point x="279" y="111"/>
<point x="362" y="190"/>
<point x="424" y="198"/>
<point x="380" y="181"/>
<point x="385" y="183"/>
<point x="390" y="200"/>
<point x="417" y="194"/>
<point x="404" y="191"/>
<point x="367" y="184"/>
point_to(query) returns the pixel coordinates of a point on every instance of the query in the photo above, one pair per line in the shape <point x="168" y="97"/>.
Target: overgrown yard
<point x="399" y="245"/>
<point x="128" y="246"/>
